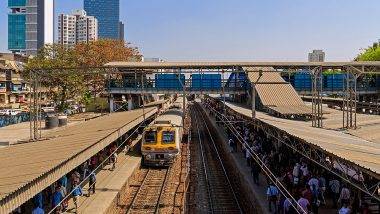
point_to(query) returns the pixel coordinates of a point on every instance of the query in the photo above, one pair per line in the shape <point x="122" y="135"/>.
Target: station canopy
<point x="275" y="93"/>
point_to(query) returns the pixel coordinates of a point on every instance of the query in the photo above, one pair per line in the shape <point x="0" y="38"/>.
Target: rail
<point x="219" y="160"/>
<point x="258" y="160"/>
<point x="152" y="178"/>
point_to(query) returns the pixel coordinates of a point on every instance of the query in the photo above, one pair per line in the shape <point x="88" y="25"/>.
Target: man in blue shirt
<point x="272" y="195"/>
<point x="38" y="200"/>
<point x="57" y="198"/>
<point x="76" y="193"/>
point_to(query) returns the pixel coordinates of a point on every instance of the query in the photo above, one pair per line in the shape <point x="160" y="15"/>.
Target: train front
<point x="160" y="145"/>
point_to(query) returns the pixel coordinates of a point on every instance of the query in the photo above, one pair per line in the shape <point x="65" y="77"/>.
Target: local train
<point x="161" y="140"/>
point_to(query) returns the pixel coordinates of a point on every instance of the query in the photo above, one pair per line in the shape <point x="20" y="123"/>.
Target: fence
<point x="6" y="120"/>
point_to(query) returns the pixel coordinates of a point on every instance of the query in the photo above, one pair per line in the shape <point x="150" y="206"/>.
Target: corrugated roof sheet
<point x="27" y="169"/>
<point x="281" y="97"/>
<point x="363" y="153"/>
<point x="203" y="64"/>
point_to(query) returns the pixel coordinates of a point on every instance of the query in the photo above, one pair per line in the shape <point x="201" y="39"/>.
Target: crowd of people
<point x="312" y="187"/>
<point x="69" y="187"/>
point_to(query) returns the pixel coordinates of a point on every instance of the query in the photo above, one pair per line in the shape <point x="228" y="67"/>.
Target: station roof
<point x="26" y="169"/>
<point x="358" y="151"/>
<point x="277" y="94"/>
<point x="217" y="65"/>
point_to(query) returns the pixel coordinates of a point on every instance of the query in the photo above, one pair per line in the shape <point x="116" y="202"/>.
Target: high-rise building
<point x="77" y="27"/>
<point x="317" y="56"/>
<point x="121" y="30"/>
<point x="108" y="15"/>
<point x="30" y="25"/>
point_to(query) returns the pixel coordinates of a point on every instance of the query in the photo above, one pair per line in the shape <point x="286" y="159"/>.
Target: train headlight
<point x="170" y="156"/>
<point x="148" y="156"/>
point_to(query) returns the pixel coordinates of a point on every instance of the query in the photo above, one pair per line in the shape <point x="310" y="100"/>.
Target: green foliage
<point x="99" y="104"/>
<point x="74" y="73"/>
<point x="370" y="54"/>
<point x="332" y="71"/>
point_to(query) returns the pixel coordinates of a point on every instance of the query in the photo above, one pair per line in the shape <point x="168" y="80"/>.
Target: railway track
<point x="148" y="195"/>
<point x="213" y="178"/>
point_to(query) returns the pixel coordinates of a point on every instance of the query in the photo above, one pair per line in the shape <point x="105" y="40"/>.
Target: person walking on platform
<point x="344" y="197"/>
<point x="77" y="192"/>
<point x="57" y="198"/>
<point x="272" y="196"/>
<point x="38" y="210"/>
<point x="38" y="200"/>
<point x="334" y="188"/>
<point x="91" y="183"/>
<point x="113" y="159"/>
<point x="303" y="205"/>
<point x="230" y="143"/>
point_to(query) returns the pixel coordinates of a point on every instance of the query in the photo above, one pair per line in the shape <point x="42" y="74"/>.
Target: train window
<point x="150" y="137"/>
<point x="167" y="137"/>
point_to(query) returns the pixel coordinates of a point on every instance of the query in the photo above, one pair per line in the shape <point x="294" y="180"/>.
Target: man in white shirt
<point x="344" y="197"/>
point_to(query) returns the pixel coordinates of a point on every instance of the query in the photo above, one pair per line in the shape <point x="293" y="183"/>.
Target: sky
<point x="255" y="30"/>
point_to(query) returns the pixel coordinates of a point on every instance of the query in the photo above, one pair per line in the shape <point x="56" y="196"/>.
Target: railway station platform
<point x="27" y="169"/>
<point x="108" y="185"/>
<point x="346" y="146"/>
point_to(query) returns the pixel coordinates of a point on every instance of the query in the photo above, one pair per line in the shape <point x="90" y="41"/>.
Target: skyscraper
<point x="30" y="25"/>
<point x="107" y="13"/>
<point x="121" y="30"/>
<point x="76" y="28"/>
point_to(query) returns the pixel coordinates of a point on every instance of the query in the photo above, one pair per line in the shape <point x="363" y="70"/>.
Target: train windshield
<point x="167" y="137"/>
<point x="150" y="137"/>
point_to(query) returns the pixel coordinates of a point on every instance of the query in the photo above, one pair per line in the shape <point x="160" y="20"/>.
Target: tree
<point x="370" y="54"/>
<point x="97" y="53"/>
<point x="71" y="73"/>
<point x="53" y="68"/>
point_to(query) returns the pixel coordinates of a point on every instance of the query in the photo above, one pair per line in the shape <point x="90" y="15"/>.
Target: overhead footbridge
<point x="27" y="169"/>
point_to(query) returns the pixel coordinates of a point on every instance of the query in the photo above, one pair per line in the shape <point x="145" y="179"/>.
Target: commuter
<point x="38" y="200"/>
<point x="315" y="203"/>
<point x="303" y="205"/>
<point x="287" y="207"/>
<point x="126" y="148"/>
<point x="56" y="199"/>
<point x="305" y="170"/>
<point x="113" y="159"/>
<point x="334" y="188"/>
<point x="230" y="143"/>
<point x="307" y="193"/>
<point x="296" y="174"/>
<point x="63" y="181"/>
<point x="344" y="209"/>
<point x="91" y="183"/>
<point x="255" y="171"/>
<point x="248" y="156"/>
<point x="38" y="210"/>
<point x="322" y="189"/>
<point x="272" y="196"/>
<point x="77" y="192"/>
<point x="313" y="183"/>
<point x="85" y="169"/>
<point x="64" y="202"/>
<point x="75" y="177"/>
<point x="344" y="197"/>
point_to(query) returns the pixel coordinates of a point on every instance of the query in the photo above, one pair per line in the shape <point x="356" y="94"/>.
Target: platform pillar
<point x="253" y="97"/>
